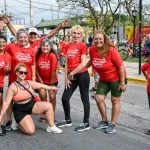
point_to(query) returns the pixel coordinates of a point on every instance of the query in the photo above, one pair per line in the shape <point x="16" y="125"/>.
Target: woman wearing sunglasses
<point x="5" y="63"/>
<point x="46" y="65"/>
<point x="20" y="52"/>
<point x="76" y="74"/>
<point x="24" y="105"/>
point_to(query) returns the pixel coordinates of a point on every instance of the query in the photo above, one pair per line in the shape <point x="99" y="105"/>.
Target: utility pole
<point x="31" y="13"/>
<point x="6" y="14"/>
<point x="118" y="30"/>
<point x="52" y="12"/>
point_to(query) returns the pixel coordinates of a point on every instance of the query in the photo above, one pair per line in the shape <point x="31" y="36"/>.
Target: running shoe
<point x="8" y="125"/>
<point x="101" y="125"/>
<point x="53" y="129"/>
<point x="2" y="131"/>
<point x="83" y="127"/>
<point x="110" y="129"/>
<point x="64" y="123"/>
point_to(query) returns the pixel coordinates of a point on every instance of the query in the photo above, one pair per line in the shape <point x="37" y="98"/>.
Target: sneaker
<point x="92" y="90"/>
<point x="148" y="132"/>
<point x="8" y="125"/>
<point x="64" y="123"/>
<point x="101" y="125"/>
<point x="53" y="129"/>
<point x="110" y="129"/>
<point x="41" y="119"/>
<point x="83" y="127"/>
<point x="2" y="131"/>
<point x="14" y="127"/>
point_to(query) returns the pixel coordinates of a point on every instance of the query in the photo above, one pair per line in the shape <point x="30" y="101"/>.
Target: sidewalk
<point x="133" y="73"/>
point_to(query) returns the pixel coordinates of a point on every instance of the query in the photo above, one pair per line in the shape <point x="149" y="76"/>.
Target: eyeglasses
<point x="23" y="72"/>
<point x="33" y="33"/>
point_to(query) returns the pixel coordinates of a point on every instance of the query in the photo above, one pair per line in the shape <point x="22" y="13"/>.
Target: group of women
<point x="24" y="72"/>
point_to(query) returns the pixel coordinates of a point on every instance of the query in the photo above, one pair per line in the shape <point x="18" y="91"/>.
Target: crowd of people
<point x="32" y="64"/>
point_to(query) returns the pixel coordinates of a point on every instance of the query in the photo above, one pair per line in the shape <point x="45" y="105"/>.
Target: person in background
<point x="107" y="62"/>
<point x="63" y="43"/>
<point x="46" y="65"/>
<point x="5" y="68"/>
<point x="76" y="74"/>
<point x="146" y="72"/>
<point x="24" y="104"/>
<point x="147" y="43"/>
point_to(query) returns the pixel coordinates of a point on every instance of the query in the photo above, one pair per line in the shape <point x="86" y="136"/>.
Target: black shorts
<point x="21" y="110"/>
<point x="1" y="89"/>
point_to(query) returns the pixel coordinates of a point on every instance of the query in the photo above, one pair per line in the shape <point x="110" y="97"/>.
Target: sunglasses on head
<point x="32" y="33"/>
<point x="23" y="72"/>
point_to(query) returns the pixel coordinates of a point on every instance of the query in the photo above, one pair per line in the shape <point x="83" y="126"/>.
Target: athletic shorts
<point x="104" y="87"/>
<point x="21" y="110"/>
<point x="1" y="89"/>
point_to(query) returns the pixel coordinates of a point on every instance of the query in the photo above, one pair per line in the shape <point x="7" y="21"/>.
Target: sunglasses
<point x="32" y="33"/>
<point x="23" y="72"/>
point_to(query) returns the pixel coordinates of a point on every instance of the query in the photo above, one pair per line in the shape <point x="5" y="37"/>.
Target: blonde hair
<point x="107" y="43"/>
<point x="19" y="66"/>
<point x="79" y="28"/>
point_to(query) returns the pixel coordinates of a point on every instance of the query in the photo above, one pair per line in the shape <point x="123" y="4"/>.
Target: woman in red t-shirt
<point x="62" y="46"/>
<point x="107" y="62"/>
<point x="146" y="71"/>
<point x="76" y="74"/>
<point x="5" y="63"/>
<point x="46" y="65"/>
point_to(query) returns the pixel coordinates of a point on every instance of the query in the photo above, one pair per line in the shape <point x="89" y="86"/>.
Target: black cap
<point x="3" y="37"/>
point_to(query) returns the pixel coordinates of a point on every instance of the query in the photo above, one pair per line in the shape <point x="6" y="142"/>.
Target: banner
<point x="145" y="31"/>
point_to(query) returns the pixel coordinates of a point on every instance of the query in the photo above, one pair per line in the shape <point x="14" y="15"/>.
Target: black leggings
<point x="82" y="80"/>
<point x="148" y="94"/>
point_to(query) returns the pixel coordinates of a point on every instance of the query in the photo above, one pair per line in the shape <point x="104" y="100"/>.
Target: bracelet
<point x="121" y="81"/>
<point x="33" y="77"/>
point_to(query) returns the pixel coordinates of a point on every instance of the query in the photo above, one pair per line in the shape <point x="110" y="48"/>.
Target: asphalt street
<point x="133" y="122"/>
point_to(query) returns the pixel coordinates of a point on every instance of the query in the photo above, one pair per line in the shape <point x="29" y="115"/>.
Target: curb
<point x="130" y="79"/>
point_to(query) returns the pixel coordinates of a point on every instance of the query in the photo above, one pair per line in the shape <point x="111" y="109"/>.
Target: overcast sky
<point x="20" y="9"/>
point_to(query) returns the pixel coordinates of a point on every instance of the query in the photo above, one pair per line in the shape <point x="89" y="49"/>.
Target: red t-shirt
<point x="108" y="67"/>
<point x="5" y="60"/>
<point x="146" y="67"/>
<point x="20" y="55"/>
<point x="74" y="52"/>
<point x="45" y="65"/>
<point x="62" y="47"/>
<point x="35" y="45"/>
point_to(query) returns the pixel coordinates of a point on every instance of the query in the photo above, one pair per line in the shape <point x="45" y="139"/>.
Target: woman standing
<point x="106" y="61"/>
<point x="5" y="63"/>
<point x="46" y="64"/>
<point x="76" y="74"/>
<point x="24" y="105"/>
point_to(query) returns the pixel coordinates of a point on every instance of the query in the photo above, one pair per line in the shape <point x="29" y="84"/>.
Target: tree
<point x="101" y="12"/>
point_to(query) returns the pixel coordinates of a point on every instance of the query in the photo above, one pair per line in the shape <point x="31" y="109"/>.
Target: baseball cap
<point x="32" y="30"/>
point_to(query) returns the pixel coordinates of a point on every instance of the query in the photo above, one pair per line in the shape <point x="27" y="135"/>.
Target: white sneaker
<point x="14" y="127"/>
<point x="53" y="129"/>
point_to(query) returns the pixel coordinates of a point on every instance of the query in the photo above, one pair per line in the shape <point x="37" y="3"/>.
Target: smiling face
<point x="33" y="36"/>
<point x="99" y="40"/>
<point x="2" y="44"/>
<point x="21" y="73"/>
<point x="76" y="35"/>
<point x="23" y="39"/>
<point x="45" y="48"/>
